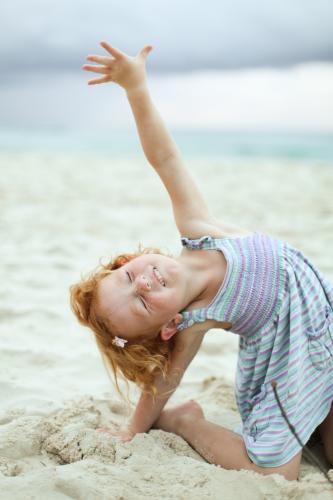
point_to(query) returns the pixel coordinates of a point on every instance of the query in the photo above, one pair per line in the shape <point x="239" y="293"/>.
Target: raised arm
<point x="191" y="213"/>
<point x="190" y="210"/>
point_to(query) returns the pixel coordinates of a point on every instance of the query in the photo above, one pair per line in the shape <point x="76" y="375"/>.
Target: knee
<point x="291" y="474"/>
<point x="289" y="471"/>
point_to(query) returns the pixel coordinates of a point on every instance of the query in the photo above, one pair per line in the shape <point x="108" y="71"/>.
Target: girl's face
<point x="143" y="296"/>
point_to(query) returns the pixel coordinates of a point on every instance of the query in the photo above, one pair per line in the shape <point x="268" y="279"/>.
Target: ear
<point x="169" y="329"/>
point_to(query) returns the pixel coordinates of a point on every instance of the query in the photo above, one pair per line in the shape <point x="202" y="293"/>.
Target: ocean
<point x="305" y="147"/>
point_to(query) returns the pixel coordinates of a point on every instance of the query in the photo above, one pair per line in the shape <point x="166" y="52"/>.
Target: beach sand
<point x="60" y="213"/>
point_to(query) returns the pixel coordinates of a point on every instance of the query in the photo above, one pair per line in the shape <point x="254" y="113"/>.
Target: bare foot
<point x="173" y="419"/>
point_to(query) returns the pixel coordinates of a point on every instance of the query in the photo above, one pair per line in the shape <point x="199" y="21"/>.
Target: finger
<point x="95" y="81"/>
<point x="112" y="433"/>
<point x="116" y="53"/>
<point x="145" y="51"/>
<point x="100" y="59"/>
<point x="126" y="439"/>
<point x="103" y="70"/>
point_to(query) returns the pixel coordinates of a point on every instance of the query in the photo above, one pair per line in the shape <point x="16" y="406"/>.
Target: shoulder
<point x="188" y="342"/>
<point x="190" y="338"/>
<point x="215" y="229"/>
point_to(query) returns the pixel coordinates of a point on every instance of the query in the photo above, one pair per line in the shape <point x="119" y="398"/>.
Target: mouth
<point x="158" y="276"/>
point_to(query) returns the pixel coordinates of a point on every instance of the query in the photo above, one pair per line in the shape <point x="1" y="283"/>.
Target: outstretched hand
<point x="129" y="72"/>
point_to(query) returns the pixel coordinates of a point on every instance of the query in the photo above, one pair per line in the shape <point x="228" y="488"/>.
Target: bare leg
<point x="216" y="444"/>
<point x="326" y="433"/>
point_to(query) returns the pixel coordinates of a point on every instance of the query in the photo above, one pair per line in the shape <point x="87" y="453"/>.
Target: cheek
<point x="166" y="302"/>
<point x="173" y="268"/>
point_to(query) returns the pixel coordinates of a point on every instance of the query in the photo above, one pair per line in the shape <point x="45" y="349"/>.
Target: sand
<point x="59" y="214"/>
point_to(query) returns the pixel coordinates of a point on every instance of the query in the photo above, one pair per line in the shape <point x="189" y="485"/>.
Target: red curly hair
<point x="142" y="359"/>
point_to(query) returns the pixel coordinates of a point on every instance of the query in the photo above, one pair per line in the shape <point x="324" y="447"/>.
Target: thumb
<point x="145" y="51"/>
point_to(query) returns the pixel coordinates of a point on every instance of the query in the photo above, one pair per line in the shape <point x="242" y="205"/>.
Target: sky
<point x="221" y="52"/>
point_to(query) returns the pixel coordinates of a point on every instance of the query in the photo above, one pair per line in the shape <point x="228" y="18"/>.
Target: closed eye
<point x="143" y="303"/>
<point x="141" y="299"/>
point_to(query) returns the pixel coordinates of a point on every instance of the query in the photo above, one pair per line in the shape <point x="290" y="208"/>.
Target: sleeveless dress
<point x="282" y="309"/>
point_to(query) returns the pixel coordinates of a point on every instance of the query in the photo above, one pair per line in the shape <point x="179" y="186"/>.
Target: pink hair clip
<point x="118" y="341"/>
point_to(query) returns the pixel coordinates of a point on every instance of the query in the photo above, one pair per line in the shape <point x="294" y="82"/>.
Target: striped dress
<point x="282" y="309"/>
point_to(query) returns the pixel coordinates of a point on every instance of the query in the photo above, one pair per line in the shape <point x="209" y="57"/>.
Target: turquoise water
<point x="197" y="143"/>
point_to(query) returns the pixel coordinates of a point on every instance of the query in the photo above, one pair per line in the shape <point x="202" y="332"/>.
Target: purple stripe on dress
<point x="269" y="285"/>
<point x="254" y="317"/>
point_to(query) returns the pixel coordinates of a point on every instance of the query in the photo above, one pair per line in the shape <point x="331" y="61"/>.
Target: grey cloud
<point x="188" y="35"/>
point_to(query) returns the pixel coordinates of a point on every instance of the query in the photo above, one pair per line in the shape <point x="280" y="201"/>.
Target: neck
<point x="197" y="277"/>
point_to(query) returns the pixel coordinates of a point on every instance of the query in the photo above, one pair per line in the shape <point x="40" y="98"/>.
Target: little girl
<point x="149" y="313"/>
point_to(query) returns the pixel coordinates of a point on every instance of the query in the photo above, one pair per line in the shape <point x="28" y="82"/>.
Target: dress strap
<point x="191" y="317"/>
<point x="210" y="243"/>
<point x="203" y="243"/>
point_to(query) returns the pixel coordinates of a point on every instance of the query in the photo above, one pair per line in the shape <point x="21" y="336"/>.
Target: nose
<point x="143" y="283"/>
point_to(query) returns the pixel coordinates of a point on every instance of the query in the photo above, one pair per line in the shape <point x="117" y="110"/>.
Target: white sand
<point x="59" y="215"/>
